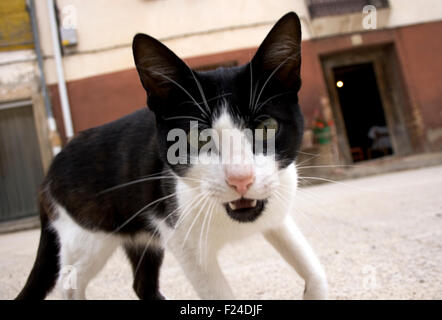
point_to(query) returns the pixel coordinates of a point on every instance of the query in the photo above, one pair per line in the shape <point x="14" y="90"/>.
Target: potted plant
<point x="321" y="129"/>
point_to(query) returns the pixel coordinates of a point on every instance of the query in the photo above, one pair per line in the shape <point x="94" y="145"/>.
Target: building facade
<point x="372" y="84"/>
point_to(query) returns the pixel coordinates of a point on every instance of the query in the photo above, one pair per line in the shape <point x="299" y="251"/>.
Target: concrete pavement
<point x="378" y="237"/>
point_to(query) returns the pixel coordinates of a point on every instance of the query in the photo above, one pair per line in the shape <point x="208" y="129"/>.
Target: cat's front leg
<point x="294" y="248"/>
<point x="206" y="277"/>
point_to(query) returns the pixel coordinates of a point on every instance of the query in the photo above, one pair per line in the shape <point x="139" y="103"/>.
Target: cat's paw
<point x="156" y="296"/>
<point x="152" y="296"/>
<point x="316" y="290"/>
<point x="161" y="296"/>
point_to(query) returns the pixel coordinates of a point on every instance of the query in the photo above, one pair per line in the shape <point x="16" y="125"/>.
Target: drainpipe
<point x="66" y="110"/>
<point x="53" y="133"/>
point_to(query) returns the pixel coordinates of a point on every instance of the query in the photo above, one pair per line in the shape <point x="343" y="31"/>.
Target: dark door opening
<point x="363" y="112"/>
<point x="21" y="169"/>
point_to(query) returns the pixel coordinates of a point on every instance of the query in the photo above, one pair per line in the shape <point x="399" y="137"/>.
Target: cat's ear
<point x="160" y="70"/>
<point x="280" y="52"/>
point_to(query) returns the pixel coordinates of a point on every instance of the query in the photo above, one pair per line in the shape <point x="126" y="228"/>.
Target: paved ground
<point x="378" y="238"/>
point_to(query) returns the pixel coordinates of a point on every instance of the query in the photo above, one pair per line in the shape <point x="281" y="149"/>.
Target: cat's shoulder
<point x="121" y="133"/>
<point x="139" y="121"/>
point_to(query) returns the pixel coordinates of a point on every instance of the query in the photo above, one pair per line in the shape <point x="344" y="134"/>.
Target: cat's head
<point x="250" y="114"/>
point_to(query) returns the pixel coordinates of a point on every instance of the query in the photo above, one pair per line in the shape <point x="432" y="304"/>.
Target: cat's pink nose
<point x="241" y="182"/>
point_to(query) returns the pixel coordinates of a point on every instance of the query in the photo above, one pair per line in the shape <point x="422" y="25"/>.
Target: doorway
<point x="368" y="103"/>
<point x="21" y="169"/>
<point x="363" y="112"/>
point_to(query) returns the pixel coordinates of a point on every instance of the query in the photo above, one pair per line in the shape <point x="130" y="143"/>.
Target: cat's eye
<point x="269" y="128"/>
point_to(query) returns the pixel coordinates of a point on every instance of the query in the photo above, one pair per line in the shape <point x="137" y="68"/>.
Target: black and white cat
<point x="123" y="184"/>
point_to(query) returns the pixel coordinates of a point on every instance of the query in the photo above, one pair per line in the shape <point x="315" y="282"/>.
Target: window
<point x="322" y="8"/>
<point x="15" y="26"/>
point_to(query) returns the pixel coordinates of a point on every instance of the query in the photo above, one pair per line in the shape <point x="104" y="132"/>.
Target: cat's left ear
<point x="160" y="70"/>
<point x="280" y="52"/>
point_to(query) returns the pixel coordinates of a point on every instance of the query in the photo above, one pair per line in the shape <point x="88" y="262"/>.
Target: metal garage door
<point x="21" y="170"/>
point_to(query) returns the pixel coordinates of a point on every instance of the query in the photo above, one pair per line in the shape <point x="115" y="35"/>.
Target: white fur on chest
<point x="223" y="229"/>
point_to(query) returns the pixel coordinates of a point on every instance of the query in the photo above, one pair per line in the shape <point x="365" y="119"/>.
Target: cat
<point x="123" y="183"/>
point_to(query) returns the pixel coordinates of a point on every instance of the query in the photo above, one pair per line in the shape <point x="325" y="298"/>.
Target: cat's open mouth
<point x="244" y="210"/>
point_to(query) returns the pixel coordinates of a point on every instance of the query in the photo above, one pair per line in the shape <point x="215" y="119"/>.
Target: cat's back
<point x="105" y="156"/>
<point x="110" y="140"/>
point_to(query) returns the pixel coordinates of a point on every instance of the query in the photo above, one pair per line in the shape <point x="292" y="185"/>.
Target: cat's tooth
<point x="254" y="203"/>
<point x="232" y="206"/>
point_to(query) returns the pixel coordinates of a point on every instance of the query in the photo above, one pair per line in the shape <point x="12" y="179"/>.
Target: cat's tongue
<point x="242" y="204"/>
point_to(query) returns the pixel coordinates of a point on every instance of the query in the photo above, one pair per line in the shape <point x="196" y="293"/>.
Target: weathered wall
<point x="420" y="48"/>
<point x="190" y="28"/>
<point x="100" y="99"/>
<point x="19" y="80"/>
<point x="18" y="74"/>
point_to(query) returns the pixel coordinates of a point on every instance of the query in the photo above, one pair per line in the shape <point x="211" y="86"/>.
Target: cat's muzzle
<point x="245" y="210"/>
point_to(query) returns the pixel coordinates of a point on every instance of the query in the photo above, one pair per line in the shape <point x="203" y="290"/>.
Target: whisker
<point x="251" y="85"/>
<point x="184" y="207"/>
<point x="309" y="159"/>
<point x="196" y="218"/>
<point x="210" y="99"/>
<point x="337" y="182"/>
<point x="301" y="191"/>
<point x="327" y="166"/>
<point x="147" y="179"/>
<point x="220" y="96"/>
<point x="313" y="196"/>
<point x="307" y="153"/>
<point x="284" y="199"/>
<point x="211" y="209"/>
<point x="143" y="254"/>
<point x="202" y="232"/>
<point x="145" y="207"/>
<point x="126" y="184"/>
<point x="157" y="228"/>
<point x="185" y="91"/>
<point x="196" y="204"/>
<point x="184" y="213"/>
<point x="200" y="88"/>
<point x="187" y="204"/>
<point x="270" y="76"/>
<point x="311" y="223"/>
<point x="269" y="99"/>
<point x="186" y="117"/>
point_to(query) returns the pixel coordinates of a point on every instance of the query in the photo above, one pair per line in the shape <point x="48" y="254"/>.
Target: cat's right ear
<point x="280" y="52"/>
<point x="160" y="70"/>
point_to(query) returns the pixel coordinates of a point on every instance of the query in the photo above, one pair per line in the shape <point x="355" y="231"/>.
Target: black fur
<point x="45" y="270"/>
<point x="104" y="157"/>
<point x="146" y="263"/>
<point x="135" y="146"/>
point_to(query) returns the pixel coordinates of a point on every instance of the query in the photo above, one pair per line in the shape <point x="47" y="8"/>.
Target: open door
<point x="363" y="112"/>
<point x="367" y="104"/>
<point x="21" y="169"/>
